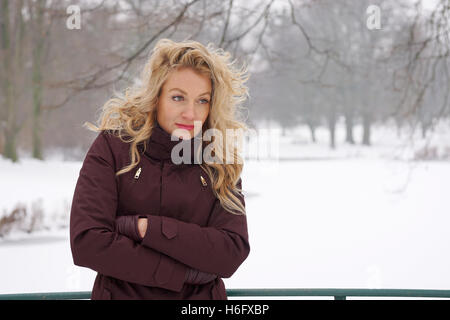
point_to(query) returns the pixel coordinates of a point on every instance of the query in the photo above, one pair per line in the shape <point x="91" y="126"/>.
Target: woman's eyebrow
<point x="208" y="92"/>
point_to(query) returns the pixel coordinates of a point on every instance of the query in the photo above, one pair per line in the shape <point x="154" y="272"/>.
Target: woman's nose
<point x="189" y="111"/>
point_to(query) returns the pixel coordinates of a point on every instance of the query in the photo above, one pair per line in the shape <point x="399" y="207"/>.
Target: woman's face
<point x="185" y="98"/>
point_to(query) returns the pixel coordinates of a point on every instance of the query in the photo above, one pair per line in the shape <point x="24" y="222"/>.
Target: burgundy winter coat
<point x="187" y="226"/>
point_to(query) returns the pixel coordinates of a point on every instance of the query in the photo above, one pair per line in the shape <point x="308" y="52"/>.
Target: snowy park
<point x="352" y="217"/>
<point x="346" y="167"/>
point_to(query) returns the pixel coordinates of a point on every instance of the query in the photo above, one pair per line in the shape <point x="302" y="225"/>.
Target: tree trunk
<point x="349" y="127"/>
<point x="332" y="128"/>
<point x="398" y="124"/>
<point x="312" y="129"/>
<point x="8" y="117"/>
<point x="367" y="121"/>
<point x="37" y="81"/>
<point x="10" y="149"/>
<point x="424" y="128"/>
<point x="425" y="125"/>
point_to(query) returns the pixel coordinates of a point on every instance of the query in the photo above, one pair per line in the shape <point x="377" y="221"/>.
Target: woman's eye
<point x="202" y="101"/>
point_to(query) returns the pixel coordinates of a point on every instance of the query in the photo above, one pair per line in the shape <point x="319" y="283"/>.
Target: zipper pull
<point x="138" y="172"/>
<point x="203" y="181"/>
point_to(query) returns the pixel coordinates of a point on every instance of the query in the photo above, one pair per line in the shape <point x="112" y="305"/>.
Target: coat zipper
<point x="137" y="174"/>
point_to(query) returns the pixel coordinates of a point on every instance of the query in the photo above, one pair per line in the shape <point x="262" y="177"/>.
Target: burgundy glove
<point x="194" y="276"/>
<point x="128" y="226"/>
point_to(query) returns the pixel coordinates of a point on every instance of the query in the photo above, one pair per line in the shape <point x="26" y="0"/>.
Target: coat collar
<point x="159" y="145"/>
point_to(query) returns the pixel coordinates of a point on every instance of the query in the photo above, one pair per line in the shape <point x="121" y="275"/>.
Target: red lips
<point x="182" y="126"/>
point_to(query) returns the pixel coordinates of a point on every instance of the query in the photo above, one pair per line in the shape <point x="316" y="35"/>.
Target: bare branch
<point x="90" y="80"/>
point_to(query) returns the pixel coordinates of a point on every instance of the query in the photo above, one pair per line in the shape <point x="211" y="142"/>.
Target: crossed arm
<point x="135" y="228"/>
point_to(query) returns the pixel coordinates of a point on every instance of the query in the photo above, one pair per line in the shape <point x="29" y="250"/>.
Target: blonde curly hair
<point x="134" y="114"/>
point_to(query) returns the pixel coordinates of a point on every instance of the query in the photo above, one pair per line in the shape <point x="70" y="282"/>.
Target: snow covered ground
<point x="354" y="217"/>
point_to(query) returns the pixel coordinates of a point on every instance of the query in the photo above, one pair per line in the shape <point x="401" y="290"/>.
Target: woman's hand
<point x="132" y="226"/>
<point x="142" y="226"/>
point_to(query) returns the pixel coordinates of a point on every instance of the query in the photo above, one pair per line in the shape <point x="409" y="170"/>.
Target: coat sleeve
<point x="220" y="248"/>
<point x="94" y="242"/>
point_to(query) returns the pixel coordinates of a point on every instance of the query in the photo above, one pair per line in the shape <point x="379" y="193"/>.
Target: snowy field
<point x="354" y="217"/>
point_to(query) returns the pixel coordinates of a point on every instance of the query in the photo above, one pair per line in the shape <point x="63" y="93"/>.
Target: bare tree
<point x="12" y="54"/>
<point x="427" y="51"/>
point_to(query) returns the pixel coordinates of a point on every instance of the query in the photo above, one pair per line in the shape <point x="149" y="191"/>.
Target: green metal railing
<point x="338" y="294"/>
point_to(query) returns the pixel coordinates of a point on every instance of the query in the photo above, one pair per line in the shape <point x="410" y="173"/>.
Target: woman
<point x="152" y="227"/>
